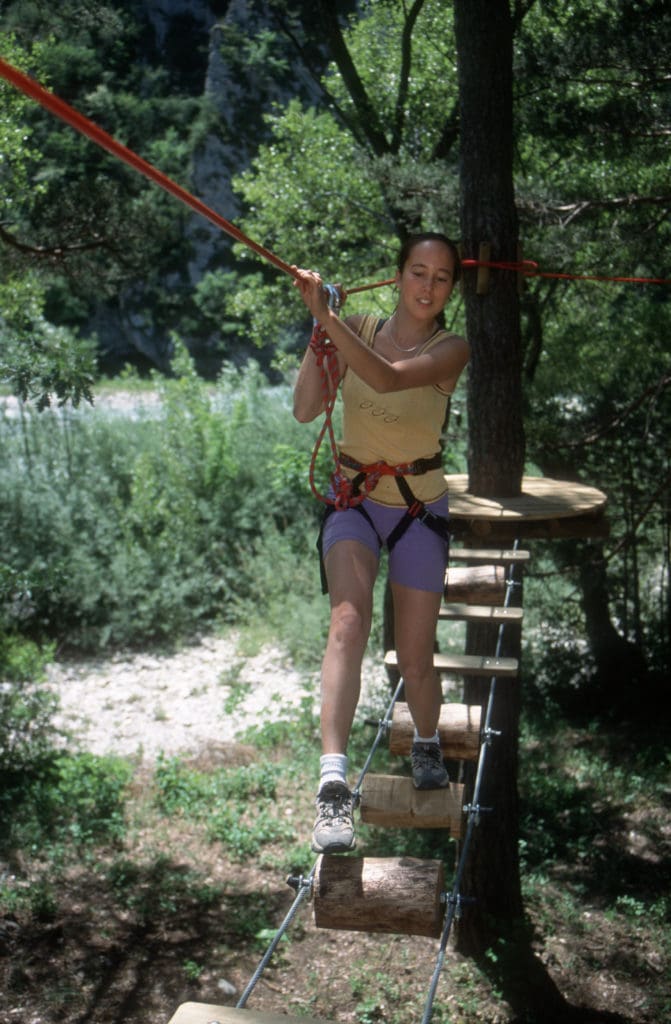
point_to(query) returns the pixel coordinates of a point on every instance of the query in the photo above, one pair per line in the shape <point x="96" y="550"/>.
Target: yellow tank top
<point x="401" y="426"/>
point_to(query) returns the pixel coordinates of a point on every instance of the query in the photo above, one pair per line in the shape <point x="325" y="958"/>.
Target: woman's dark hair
<point x="429" y="236"/>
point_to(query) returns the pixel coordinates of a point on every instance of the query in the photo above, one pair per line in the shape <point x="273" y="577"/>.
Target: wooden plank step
<point x="459" y="611"/>
<point x="466" y="664"/>
<point x="208" y="1013"/>
<point x="393" y="802"/>
<point x="397" y="895"/>
<point x="476" y="584"/>
<point x="458" y="729"/>
<point x="504" y="556"/>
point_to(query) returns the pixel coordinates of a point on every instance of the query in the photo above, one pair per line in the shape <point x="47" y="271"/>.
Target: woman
<point x="396" y="377"/>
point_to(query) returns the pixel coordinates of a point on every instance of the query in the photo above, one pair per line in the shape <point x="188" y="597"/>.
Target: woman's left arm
<point x="441" y="364"/>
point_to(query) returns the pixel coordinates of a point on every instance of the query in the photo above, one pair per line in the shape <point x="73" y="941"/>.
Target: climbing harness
<point x="454" y="900"/>
<point x="350" y="493"/>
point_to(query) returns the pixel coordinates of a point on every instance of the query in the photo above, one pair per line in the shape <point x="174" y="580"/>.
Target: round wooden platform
<point x="545" y="508"/>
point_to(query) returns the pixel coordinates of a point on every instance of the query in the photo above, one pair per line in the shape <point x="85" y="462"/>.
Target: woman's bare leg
<point x="415" y="619"/>
<point x="351" y="569"/>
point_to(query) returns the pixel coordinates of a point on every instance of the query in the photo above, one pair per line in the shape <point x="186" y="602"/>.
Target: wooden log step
<point x="208" y="1013"/>
<point x="465" y="664"/>
<point x="396" y="895"/>
<point x="453" y="611"/>
<point x="393" y="802"/>
<point x="504" y="556"/>
<point x="475" y="584"/>
<point x="458" y="729"/>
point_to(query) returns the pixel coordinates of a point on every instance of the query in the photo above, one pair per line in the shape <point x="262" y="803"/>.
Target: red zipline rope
<point x="323" y="349"/>
<point x="530" y="269"/>
<point x="82" y="124"/>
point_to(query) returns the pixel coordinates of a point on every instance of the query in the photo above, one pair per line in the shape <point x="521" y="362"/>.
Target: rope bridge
<point x="423" y="910"/>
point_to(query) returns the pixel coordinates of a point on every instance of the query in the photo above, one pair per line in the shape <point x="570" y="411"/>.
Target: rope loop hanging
<point x="345" y="494"/>
<point x="326" y="357"/>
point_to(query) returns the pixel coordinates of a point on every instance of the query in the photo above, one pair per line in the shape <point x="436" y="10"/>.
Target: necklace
<point x="400" y="348"/>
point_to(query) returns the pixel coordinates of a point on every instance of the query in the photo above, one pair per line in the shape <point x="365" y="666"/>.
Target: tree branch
<point x="567" y="212"/>
<point x="448" y="135"/>
<point x="52" y="252"/>
<point x="368" y="118"/>
<point x="404" y="77"/>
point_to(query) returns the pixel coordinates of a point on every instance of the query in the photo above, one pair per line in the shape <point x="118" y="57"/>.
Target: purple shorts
<point x="417" y="560"/>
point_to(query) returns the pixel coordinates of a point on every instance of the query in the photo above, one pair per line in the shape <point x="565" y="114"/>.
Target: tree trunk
<point x="488" y="215"/>
<point x="621" y="668"/>
<point x="484" y="33"/>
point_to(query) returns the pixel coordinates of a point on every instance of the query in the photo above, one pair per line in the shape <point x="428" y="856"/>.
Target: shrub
<point x="132" y="529"/>
<point x="60" y="798"/>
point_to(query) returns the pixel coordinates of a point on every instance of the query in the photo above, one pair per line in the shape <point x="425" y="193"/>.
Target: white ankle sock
<point x="333" y="768"/>
<point x="426" y="739"/>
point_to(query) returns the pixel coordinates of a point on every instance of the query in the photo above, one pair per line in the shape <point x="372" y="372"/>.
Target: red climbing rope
<point x="326" y="356"/>
<point x="368" y="476"/>
<point x="82" y="124"/>
<point x="91" y="130"/>
<point x="529" y="268"/>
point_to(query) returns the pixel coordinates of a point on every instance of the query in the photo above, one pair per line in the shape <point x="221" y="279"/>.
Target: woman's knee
<point x="350" y="625"/>
<point x="416" y="668"/>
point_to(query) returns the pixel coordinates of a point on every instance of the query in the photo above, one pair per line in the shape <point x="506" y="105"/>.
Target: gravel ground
<point x="141" y="705"/>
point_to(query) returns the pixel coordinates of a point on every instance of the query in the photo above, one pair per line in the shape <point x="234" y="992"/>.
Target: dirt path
<point x="142" y="704"/>
<point x="139" y="705"/>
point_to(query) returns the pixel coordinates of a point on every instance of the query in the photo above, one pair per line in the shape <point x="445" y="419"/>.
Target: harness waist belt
<point x="416" y="468"/>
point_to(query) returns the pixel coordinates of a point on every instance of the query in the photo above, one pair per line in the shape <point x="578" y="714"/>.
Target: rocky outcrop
<point x="203" y="46"/>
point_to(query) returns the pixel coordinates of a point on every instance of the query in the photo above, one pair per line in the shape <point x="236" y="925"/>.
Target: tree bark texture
<point x="484" y="33"/>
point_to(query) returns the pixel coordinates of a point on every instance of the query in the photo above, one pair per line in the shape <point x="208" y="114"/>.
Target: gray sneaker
<point x="334" y="826"/>
<point x="428" y="770"/>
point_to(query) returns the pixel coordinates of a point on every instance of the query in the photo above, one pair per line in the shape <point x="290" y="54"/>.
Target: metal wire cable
<point x="304" y="884"/>
<point x="455" y="900"/>
<point x="304" y="888"/>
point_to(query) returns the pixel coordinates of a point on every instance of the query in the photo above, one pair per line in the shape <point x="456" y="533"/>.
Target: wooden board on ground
<point x="392" y="801"/>
<point x="458" y="729"/>
<point x="209" y="1013"/>
<point x="395" y="895"/>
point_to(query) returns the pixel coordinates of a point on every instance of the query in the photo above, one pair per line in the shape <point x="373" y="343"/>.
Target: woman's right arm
<point x="309" y="398"/>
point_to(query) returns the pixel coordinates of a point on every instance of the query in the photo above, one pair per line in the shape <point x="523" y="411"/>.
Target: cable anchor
<point x="488" y="734"/>
<point x="475" y="810"/>
<point x="299" y="882"/>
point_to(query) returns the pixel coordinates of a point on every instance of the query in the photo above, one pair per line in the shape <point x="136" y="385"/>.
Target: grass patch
<point x="197" y="876"/>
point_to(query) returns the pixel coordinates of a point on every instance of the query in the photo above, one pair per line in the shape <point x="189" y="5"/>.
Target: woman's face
<point x="426" y="281"/>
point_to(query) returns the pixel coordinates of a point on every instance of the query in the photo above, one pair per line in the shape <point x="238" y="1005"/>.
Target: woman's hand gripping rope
<point x="320" y="298"/>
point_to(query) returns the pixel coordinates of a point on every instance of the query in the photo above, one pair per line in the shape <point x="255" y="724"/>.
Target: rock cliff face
<point x="191" y="39"/>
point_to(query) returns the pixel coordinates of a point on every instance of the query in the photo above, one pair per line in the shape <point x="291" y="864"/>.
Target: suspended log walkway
<point x="406" y="895"/>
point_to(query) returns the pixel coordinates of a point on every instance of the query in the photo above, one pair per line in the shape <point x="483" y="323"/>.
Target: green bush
<point x="63" y="799"/>
<point x="237" y="804"/>
<point x="131" y="529"/>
